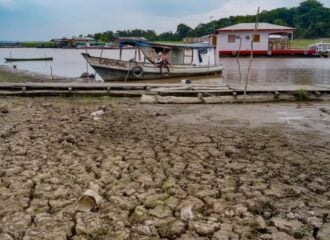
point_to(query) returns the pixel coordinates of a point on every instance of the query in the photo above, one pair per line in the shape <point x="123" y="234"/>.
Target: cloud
<point x="9" y="4"/>
<point x="46" y="19"/>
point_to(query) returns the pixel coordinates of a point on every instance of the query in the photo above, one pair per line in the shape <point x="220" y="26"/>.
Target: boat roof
<point x="251" y="27"/>
<point x="143" y="42"/>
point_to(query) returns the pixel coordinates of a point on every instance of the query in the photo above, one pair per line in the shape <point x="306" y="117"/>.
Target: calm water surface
<point x="70" y="63"/>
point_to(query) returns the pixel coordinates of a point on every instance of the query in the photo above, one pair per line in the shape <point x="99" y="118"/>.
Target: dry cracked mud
<point x="161" y="175"/>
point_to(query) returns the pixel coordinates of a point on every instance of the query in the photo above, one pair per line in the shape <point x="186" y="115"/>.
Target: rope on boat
<point x="129" y="69"/>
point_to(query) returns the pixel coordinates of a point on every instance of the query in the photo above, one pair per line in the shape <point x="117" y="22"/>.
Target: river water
<point x="70" y="63"/>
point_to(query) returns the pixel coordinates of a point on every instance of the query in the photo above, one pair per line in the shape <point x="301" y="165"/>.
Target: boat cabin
<point x="201" y="54"/>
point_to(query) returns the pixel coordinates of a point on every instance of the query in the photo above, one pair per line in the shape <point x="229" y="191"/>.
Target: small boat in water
<point x="322" y="48"/>
<point x="28" y="59"/>
<point x="157" y="61"/>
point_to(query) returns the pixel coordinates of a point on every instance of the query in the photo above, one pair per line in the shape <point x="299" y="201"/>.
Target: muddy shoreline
<point x="9" y="74"/>
<point x="164" y="171"/>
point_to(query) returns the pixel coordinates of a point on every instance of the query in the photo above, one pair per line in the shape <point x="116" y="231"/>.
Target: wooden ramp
<point x="172" y="93"/>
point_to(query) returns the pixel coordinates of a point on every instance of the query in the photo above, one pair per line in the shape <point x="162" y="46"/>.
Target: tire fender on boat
<point x="137" y="71"/>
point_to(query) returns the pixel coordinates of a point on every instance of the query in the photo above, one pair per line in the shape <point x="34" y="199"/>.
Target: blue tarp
<point x="141" y="42"/>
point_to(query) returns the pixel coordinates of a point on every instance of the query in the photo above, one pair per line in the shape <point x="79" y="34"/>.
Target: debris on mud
<point x="90" y="200"/>
<point x="4" y="109"/>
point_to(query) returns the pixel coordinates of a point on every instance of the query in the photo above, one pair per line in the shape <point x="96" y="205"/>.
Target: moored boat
<point x="28" y="59"/>
<point x="322" y="48"/>
<point x="157" y="61"/>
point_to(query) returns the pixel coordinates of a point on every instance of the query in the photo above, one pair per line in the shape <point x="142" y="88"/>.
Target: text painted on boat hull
<point x="110" y="62"/>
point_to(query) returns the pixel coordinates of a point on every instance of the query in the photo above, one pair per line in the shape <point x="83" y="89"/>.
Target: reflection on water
<point x="70" y="63"/>
<point x="280" y="70"/>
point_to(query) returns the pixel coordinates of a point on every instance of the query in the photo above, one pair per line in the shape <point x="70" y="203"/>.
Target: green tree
<point x="310" y="18"/>
<point x="182" y="31"/>
<point x="307" y="5"/>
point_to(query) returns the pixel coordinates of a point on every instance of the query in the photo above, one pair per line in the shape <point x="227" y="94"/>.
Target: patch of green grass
<point x="171" y="42"/>
<point x="37" y="44"/>
<point x="98" y="234"/>
<point x="13" y="77"/>
<point x="304" y="43"/>
<point x="302" y="95"/>
<point x="300" y="233"/>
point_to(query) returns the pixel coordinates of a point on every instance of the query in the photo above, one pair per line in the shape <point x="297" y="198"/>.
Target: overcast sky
<point x="46" y="19"/>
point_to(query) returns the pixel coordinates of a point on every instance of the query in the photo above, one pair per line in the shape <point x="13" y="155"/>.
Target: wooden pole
<point x="251" y="56"/>
<point x="238" y="59"/>
<point x="86" y="61"/>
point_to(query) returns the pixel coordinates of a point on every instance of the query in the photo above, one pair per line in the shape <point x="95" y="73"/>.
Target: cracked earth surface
<point x="160" y="178"/>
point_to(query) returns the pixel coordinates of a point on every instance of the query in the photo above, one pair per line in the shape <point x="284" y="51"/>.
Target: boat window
<point x="176" y="56"/>
<point x="200" y="53"/>
<point x="231" y="38"/>
<point x="188" y="56"/>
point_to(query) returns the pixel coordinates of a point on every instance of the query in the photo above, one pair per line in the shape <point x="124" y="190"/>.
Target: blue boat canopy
<point x="133" y="41"/>
<point x="143" y="42"/>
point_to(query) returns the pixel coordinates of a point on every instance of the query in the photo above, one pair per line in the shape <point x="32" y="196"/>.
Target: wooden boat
<point x="28" y="59"/>
<point x="157" y="61"/>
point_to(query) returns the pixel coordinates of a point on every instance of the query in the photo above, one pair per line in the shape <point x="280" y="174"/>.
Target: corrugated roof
<point x="251" y="26"/>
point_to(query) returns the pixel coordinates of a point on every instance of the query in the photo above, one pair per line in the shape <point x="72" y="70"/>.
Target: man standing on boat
<point x="163" y="62"/>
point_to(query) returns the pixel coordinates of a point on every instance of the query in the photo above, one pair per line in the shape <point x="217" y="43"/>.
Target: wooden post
<point x="251" y="57"/>
<point x="86" y="62"/>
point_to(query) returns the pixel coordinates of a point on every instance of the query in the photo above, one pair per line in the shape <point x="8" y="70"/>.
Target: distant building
<point x="189" y="40"/>
<point x="267" y="38"/>
<point x="73" y="42"/>
<point x="8" y="44"/>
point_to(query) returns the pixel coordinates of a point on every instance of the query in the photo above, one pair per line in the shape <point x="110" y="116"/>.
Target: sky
<point x="33" y="20"/>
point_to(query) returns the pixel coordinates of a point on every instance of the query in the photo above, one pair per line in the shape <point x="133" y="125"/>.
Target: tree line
<point x="311" y="19"/>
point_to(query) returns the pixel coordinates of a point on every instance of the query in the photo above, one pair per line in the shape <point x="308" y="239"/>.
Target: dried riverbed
<point x="164" y="171"/>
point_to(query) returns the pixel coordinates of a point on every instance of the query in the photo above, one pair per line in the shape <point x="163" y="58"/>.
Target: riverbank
<point x="10" y="74"/>
<point x="164" y="172"/>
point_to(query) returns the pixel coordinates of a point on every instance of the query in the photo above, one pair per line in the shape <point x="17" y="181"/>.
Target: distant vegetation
<point x="310" y="18"/>
<point x="37" y="44"/>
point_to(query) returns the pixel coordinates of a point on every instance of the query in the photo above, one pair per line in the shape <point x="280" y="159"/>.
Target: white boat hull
<point x="116" y="70"/>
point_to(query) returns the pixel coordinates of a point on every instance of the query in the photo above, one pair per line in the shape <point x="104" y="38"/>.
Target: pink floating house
<point x="269" y="39"/>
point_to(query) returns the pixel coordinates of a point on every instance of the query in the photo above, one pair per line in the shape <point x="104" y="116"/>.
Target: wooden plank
<point x="36" y="93"/>
<point x="254" y="98"/>
<point x="258" y="88"/>
<point x="101" y="85"/>
<point x="162" y="89"/>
